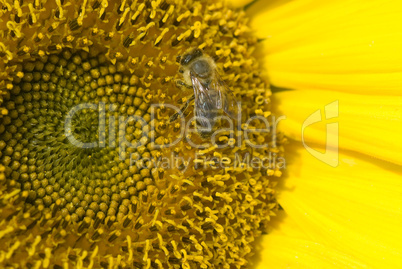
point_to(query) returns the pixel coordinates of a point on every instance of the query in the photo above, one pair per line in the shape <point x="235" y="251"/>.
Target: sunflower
<point x="66" y="203"/>
<point x="341" y="195"/>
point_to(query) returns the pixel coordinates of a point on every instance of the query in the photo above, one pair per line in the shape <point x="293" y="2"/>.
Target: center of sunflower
<point x="65" y="140"/>
<point x="85" y="126"/>
<point x="72" y="121"/>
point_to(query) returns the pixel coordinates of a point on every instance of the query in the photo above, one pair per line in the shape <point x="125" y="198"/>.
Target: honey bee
<point x="212" y="98"/>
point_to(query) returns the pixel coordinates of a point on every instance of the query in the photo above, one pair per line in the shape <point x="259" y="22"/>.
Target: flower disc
<point x="93" y="172"/>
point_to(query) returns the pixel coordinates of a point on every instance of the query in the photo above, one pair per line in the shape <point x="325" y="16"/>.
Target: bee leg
<point x="182" y="109"/>
<point x="181" y="83"/>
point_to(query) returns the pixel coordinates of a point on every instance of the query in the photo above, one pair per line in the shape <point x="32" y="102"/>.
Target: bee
<point x="212" y="97"/>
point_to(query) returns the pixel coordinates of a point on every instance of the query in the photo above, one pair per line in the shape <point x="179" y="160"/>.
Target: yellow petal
<point x="345" y="45"/>
<point x="347" y="217"/>
<point x="289" y="247"/>
<point x="239" y="3"/>
<point x="368" y="124"/>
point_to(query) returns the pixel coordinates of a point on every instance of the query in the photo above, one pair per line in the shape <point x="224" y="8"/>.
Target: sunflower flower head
<point x="75" y="194"/>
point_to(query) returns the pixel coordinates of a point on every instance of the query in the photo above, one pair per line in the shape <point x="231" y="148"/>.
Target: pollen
<point x="92" y="173"/>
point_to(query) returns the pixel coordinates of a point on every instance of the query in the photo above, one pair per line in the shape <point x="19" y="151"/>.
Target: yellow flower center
<point x="93" y="173"/>
<point x="54" y="137"/>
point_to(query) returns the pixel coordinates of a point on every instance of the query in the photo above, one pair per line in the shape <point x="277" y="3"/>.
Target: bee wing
<point x="205" y="103"/>
<point x="226" y="101"/>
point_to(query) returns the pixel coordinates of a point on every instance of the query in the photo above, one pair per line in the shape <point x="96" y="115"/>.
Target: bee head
<point x="187" y="58"/>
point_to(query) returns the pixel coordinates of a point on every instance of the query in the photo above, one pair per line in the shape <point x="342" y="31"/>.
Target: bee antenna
<point x="178" y="58"/>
